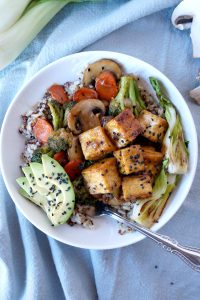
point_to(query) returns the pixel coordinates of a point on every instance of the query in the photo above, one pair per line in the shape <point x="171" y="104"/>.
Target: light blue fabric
<point x="33" y="266"/>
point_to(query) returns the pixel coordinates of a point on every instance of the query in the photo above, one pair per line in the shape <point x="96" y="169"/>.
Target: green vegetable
<point x="37" y="154"/>
<point x="57" y="114"/>
<point x="60" y="140"/>
<point x="87" y="163"/>
<point x="48" y="186"/>
<point x="128" y="89"/>
<point x="67" y="107"/>
<point x="134" y="95"/>
<point x="21" y="21"/>
<point x="148" y="211"/>
<point x="82" y="195"/>
<point x="174" y="145"/>
<point x="10" y="12"/>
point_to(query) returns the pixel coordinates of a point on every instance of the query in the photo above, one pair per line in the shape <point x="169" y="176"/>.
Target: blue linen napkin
<point x="34" y="266"/>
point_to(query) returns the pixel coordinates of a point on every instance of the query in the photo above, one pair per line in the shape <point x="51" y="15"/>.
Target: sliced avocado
<point x="24" y="194"/>
<point x="65" y="196"/>
<point x="27" y="192"/>
<point x="54" y="197"/>
<point x="49" y="186"/>
<point x="32" y="181"/>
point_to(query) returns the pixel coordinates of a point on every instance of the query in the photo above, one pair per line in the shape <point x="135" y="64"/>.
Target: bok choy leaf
<point x="21" y="21"/>
<point x="174" y="145"/>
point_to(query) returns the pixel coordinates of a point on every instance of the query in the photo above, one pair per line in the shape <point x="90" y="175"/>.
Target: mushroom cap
<point x="189" y="10"/>
<point x="94" y="69"/>
<point x="85" y="115"/>
<point x="186" y="10"/>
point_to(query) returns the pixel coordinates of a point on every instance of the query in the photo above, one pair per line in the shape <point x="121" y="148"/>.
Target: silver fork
<point x="190" y="255"/>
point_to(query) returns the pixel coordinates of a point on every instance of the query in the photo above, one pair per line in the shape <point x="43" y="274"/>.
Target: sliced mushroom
<point x="94" y="69"/>
<point x="75" y="151"/>
<point x="187" y="15"/>
<point x="195" y="94"/>
<point x="85" y="115"/>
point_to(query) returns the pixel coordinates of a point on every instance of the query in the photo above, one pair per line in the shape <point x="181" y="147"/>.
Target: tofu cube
<point x="103" y="177"/>
<point x="154" y="127"/>
<point x="130" y="160"/>
<point x="136" y="187"/>
<point x="151" y="155"/>
<point x="152" y="161"/>
<point x="152" y="170"/>
<point x="95" y="144"/>
<point x="123" y="129"/>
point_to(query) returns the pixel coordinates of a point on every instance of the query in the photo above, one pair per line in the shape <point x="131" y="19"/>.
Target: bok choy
<point x="176" y="152"/>
<point x="21" y="21"/>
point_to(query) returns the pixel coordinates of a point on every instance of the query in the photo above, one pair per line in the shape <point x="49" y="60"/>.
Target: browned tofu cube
<point x="152" y="155"/>
<point x="154" y="127"/>
<point x="95" y="143"/>
<point x="136" y="187"/>
<point x="130" y="160"/>
<point x="152" y="161"/>
<point x="103" y="177"/>
<point x="152" y="169"/>
<point x="124" y="128"/>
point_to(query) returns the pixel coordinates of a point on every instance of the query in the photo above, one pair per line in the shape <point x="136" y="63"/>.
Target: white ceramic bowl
<point x="105" y="235"/>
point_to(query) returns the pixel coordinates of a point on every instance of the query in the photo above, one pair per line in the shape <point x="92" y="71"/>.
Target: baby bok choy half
<point x="174" y="145"/>
<point x="21" y="21"/>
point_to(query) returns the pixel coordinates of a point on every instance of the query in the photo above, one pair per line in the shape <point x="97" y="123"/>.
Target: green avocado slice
<point x="27" y="191"/>
<point x="64" y="195"/>
<point x="55" y="194"/>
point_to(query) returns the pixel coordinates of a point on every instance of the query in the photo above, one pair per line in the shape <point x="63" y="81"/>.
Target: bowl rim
<point x="15" y="99"/>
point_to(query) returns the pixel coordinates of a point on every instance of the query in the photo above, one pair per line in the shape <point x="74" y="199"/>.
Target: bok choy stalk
<point x="148" y="211"/>
<point x="22" y="21"/>
<point x="10" y="12"/>
<point x="128" y="90"/>
<point x="174" y="145"/>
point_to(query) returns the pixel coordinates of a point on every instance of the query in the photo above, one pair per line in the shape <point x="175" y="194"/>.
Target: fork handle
<point x="190" y="255"/>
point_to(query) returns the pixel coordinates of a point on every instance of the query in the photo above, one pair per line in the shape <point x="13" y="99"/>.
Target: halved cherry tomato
<point x="61" y="157"/>
<point x="84" y="93"/>
<point x="73" y="169"/>
<point x="42" y="129"/>
<point x="58" y="93"/>
<point x="106" y="85"/>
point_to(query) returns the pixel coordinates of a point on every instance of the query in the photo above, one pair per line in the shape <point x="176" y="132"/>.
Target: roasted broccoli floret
<point x="57" y="114"/>
<point x="128" y="90"/>
<point x="60" y="140"/>
<point x="82" y="195"/>
<point x="37" y="155"/>
<point x="67" y="106"/>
